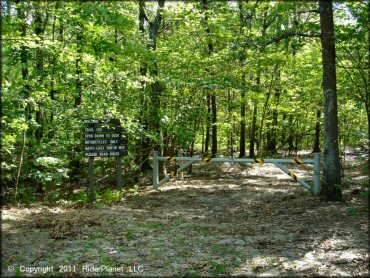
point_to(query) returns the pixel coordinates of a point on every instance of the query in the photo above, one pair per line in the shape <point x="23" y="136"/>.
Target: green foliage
<point x="364" y="195"/>
<point x="98" y="51"/>
<point x="110" y="196"/>
<point x="352" y="210"/>
<point x="218" y="269"/>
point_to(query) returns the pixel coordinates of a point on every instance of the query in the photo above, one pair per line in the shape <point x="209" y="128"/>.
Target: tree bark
<point x="212" y="94"/>
<point x="157" y="87"/>
<point x="291" y="135"/>
<point x="208" y="125"/>
<point x="39" y="71"/>
<point x="242" y="120"/>
<point x="252" y="138"/>
<point x="264" y="111"/>
<point x="214" y="125"/>
<point x="272" y="145"/>
<point x="24" y="61"/>
<point x="367" y="97"/>
<point x="144" y="144"/>
<point x="331" y="164"/>
<point x="78" y="95"/>
<point x="316" y="146"/>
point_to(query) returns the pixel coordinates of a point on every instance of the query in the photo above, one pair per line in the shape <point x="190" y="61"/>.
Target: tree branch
<point x="308" y="11"/>
<point x="142" y="10"/>
<point x="291" y="34"/>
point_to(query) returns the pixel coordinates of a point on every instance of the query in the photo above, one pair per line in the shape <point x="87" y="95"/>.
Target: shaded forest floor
<point x="222" y="220"/>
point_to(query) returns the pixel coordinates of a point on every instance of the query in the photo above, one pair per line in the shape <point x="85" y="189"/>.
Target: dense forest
<point x="214" y="78"/>
<point x="240" y="87"/>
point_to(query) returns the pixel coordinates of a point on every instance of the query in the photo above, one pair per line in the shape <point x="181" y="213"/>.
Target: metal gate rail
<point x="276" y="162"/>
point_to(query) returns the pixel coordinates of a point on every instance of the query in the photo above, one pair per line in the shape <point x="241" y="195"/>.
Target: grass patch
<point x="194" y="271"/>
<point x="130" y="234"/>
<point x="218" y="269"/>
<point x="90" y="244"/>
<point x="154" y="226"/>
<point x="220" y="249"/>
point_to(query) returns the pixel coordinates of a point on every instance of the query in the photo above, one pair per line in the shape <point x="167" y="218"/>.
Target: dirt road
<point x="223" y="220"/>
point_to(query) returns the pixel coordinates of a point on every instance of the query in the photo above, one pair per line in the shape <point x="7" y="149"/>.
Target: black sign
<point x="105" y="148"/>
<point x="104" y="138"/>
<point x="106" y="153"/>
<point x="118" y="141"/>
<point x="103" y="129"/>
<point x="115" y="122"/>
<point x="103" y="135"/>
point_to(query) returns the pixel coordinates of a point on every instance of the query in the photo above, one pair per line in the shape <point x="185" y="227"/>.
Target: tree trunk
<point x="331" y="164"/>
<point x="157" y="87"/>
<point x="272" y="141"/>
<point x="208" y="124"/>
<point x="242" y="120"/>
<point x="78" y="95"/>
<point x="252" y="138"/>
<point x="231" y="120"/>
<point x="24" y="61"/>
<point x="316" y="146"/>
<point x="75" y="163"/>
<point x="264" y="112"/>
<point x="39" y="71"/>
<point x="212" y="95"/>
<point x="254" y="118"/>
<point x="367" y="97"/>
<point x="291" y="135"/>
<point x="144" y="144"/>
<point x="52" y="81"/>
<point x="214" y="125"/>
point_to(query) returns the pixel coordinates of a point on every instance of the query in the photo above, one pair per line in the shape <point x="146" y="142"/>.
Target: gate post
<point x="155" y="170"/>
<point x="180" y="175"/>
<point x="316" y="183"/>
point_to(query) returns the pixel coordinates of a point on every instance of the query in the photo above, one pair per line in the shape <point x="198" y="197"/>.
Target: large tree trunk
<point x="157" y="87"/>
<point x="367" y="96"/>
<point x="316" y="146"/>
<point x="331" y="165"/>
<point x="144" y="144"/>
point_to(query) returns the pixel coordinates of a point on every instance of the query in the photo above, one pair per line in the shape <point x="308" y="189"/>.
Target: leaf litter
<point x="221" y="220"/>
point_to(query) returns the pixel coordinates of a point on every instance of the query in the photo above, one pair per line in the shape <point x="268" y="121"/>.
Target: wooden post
<point x="180" y="175"/>
<point x="119" y="172"/>
<point x="91" y="176"/>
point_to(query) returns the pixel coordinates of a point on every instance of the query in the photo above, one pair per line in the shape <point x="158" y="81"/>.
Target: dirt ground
<point x="224" y="219"/>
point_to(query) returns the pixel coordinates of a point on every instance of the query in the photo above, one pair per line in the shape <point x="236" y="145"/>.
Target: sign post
<point x="91" y="176"/>
<point x="119" y="173"/>
<point x="105" y="139"/>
